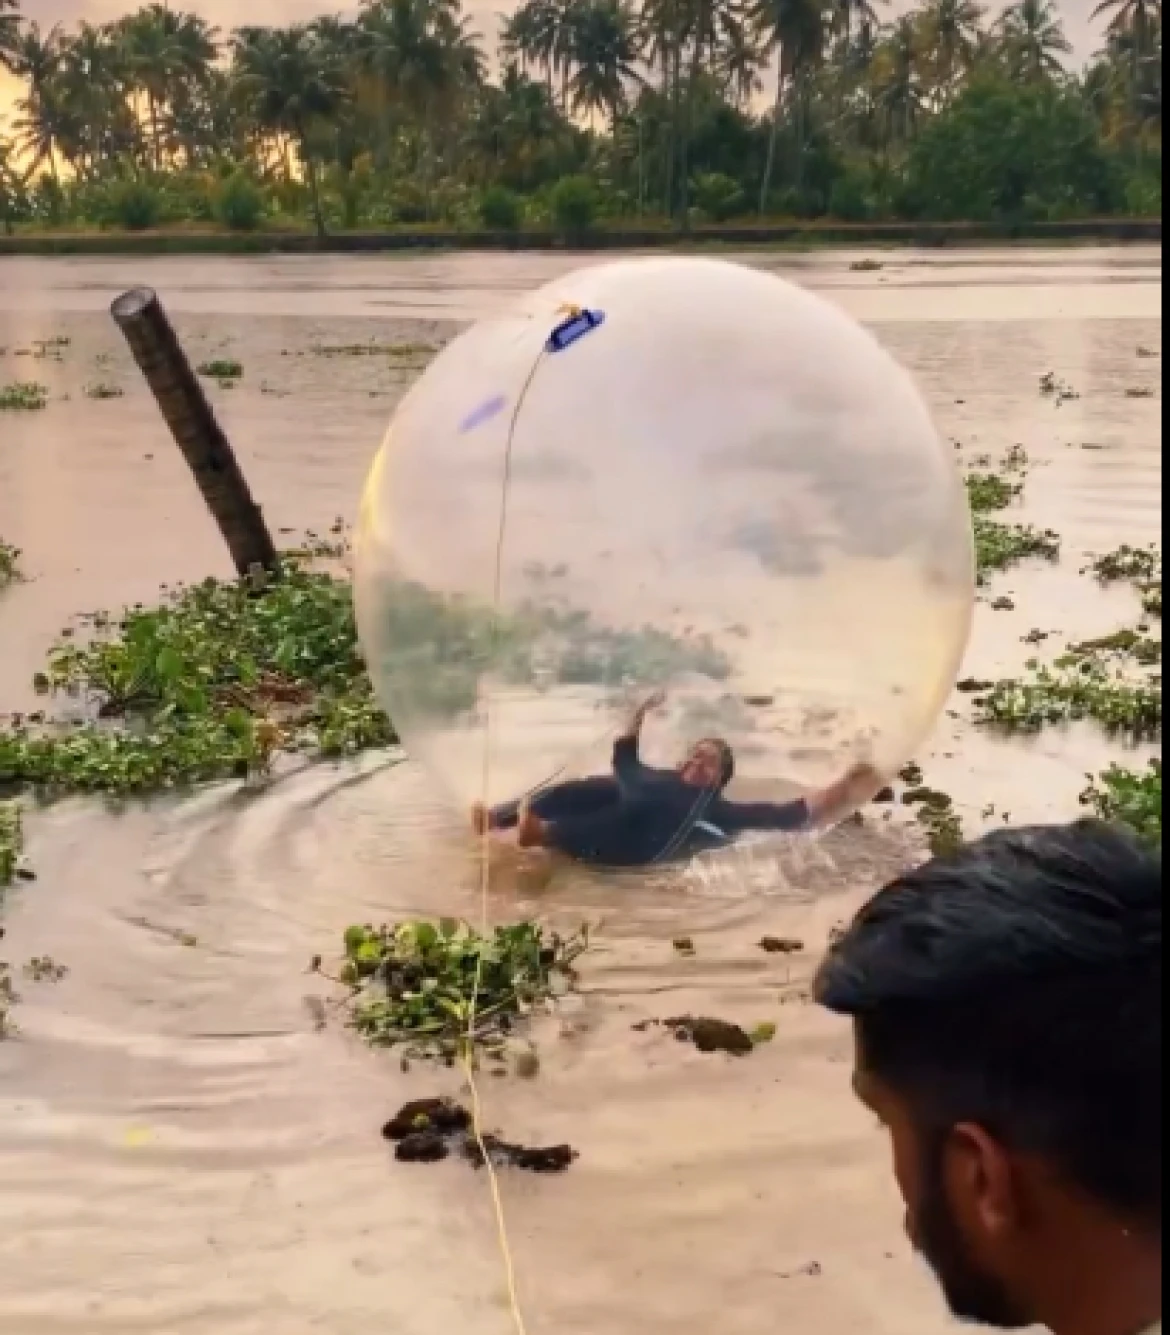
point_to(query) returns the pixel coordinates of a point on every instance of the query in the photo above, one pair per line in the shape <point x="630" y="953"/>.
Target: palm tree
<point x="540" y="34"/>
<point x="10" y="20"/>
<point x="1137" y="17"/>
<point x="796" y="32"/>
<point x="514" y="129"/>
<point x="164" y="52"/>
<point x="95" y="87"/>
<point x="1034" y="41"/>
<point x="663" y="30"/>
<point x="603" y="55"/>
<point x="699" y="27"/>
<point x="43" y="123"/>
<point x="898" y="94"/>
<point x="1135" y="28"/>
<point x="1126" y="81"/>
<point x="953" y="33"/>
<point x="416" y="58"/>
<point x="739" y="60"/>
<point x="850" y="16"/>
<point x="290" y="85"/>
<point x="528" y="37"/>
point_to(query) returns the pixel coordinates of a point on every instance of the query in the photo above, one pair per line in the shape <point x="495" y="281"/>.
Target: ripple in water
<point x="182" y="1150"/>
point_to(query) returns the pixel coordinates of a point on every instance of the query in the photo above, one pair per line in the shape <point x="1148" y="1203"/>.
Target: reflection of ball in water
<point x="721" y="485"/>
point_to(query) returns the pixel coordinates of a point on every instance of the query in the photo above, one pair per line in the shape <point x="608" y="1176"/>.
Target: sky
<point x="1086" y="37"/>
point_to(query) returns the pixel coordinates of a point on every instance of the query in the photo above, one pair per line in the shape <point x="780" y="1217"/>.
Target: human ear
<point x="981" y="1182"/>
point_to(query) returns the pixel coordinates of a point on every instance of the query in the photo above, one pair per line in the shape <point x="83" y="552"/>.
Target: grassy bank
<point x="792" y="234"/>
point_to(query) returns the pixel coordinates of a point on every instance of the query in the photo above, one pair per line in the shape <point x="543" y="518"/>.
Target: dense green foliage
<point x="1132" y="797"/>
<point x="597" y="110"/>
<point x="1004" y="151"/>
<point x="210" y="685"/>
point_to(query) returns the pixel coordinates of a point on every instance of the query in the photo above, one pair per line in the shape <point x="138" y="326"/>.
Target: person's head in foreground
<point x="1007" y="1007"/>
<point x="709" y="764"/>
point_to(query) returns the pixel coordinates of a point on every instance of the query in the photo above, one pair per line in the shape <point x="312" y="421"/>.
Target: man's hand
<point x="854" y="787"/>
<point x="861" y="778"/>
<point x="655" y="700"/>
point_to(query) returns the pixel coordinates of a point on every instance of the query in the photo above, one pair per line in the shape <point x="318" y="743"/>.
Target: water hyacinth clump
<point x="1133" y="797"/>
<point x="999" y="545"/>
<point x="11" y="842"/>
<point x="221" y="369"/>
<point x="1139" y="566"/>
<point x="1076" y="689"/>
<point x="23" y="396"/>
<point x="9" y="564"/>
<point x="211" y="684"/>
<point x="437" y="987"/>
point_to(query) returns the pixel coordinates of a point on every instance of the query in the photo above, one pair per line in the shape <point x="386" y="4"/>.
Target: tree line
<point x="664" y="111"/>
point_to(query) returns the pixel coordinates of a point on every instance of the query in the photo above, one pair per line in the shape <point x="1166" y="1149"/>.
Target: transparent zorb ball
<point x="664" y="473"/>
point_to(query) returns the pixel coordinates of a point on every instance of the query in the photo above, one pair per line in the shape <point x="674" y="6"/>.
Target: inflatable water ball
<point x="665" y="473"/>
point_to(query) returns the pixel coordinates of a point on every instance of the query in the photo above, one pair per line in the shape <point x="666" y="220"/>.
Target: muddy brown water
<point x="182" y="1151"/>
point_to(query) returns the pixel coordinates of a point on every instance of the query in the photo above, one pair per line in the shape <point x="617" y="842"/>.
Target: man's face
<point x="957" y="1216"/>
<point x="703" y="768"/>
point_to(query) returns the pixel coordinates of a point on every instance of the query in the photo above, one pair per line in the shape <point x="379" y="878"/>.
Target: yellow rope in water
<point x="506" y="1254"/>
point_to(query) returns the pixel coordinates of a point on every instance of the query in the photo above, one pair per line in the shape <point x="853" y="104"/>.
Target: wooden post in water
<point x="156" y="349"/>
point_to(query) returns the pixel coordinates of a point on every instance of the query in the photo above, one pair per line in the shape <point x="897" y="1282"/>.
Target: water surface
<point x="182" y="1151"/>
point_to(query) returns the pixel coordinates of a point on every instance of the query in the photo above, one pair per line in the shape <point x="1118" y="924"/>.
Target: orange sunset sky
<point x="1085" y="35"/>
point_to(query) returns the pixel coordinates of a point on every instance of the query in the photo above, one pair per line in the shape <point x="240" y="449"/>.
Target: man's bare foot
<point x="481" y="819"/>
<point x="530" y="829"/>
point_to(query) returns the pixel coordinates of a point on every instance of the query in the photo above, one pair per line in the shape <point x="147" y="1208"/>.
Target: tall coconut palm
<point x="847" y="17"/>
<point x="603" y="54"/>
<point x="796" y="32"/>
<point x="1140" y="18"/>
<point x="10" y="20"/>
<point x="530" y="37"/>
<point x="164" y="50"/>
<point x="1129" y="74"/>
<point x="705" y="28"/>
<point x="664" y="29"/>
<point x="290" y="85"/>
<point x="898" y="84"/>
<point x="416" y="58"/>
<point x="513" y="128"/>
<point x="953" y="33"/>
<point x="739" y="60"/>
<point x="1033" y="40"/>
<point x="540" y="35"/>
<point x="11" y="188"/>
<point x="95" y="84"/>
<point x="43" y="123"/>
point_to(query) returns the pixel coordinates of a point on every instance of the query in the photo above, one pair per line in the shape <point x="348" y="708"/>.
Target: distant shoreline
<point x="792" y="235"/>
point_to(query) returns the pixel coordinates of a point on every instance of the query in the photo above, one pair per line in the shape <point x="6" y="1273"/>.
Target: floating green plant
<point x="23" y="396"/>
<point x="433" y="988"/>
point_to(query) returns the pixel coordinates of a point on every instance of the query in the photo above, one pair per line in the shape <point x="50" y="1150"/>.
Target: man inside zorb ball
<point x="639" y="815"/>
<point x="678" y="487"/>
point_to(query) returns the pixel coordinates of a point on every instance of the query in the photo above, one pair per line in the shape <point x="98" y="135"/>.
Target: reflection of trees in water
<point x="433" y="650"/>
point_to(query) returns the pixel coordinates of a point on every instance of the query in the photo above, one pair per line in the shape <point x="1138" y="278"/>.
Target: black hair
<point x="726" y="759"/>
<point x="1018" y="984"/>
